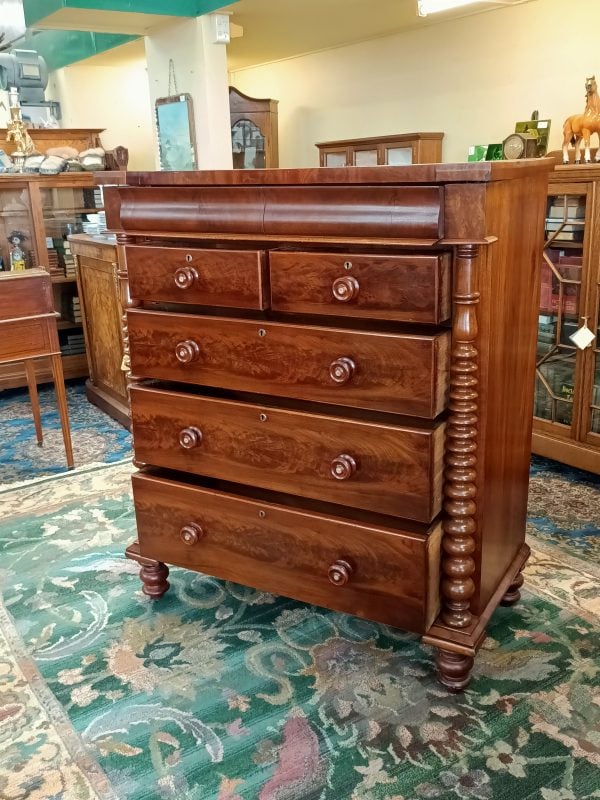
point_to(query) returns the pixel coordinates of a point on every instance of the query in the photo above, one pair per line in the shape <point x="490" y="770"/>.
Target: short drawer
<point x="228" y="278"/>
<point x="383" y="468"/>
<point x="24" y="339"/>
<point x="410" y="288"/>
<point x="26" y="294"/>
<point x="383" y="574"/>
<point x="404" y="374"/>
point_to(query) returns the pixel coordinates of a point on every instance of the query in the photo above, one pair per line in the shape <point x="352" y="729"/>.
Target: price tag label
<point x="583" y="337"/>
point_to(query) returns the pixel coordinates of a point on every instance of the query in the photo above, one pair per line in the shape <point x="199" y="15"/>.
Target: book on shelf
<point x="546" y="338"/>
<point x="557" y="224"/>
<point x="574" y="210"/>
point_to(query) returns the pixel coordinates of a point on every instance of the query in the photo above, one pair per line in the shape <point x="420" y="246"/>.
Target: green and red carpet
<point x="220" y="692"/>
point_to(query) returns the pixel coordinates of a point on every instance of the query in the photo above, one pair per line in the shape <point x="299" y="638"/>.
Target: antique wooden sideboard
<point x="331" y="383"/>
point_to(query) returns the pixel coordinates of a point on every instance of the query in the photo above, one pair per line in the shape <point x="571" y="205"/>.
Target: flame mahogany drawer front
<point x="228" y="278"/>
<point x="405" y="374"/>
<point x="407" y="288"/>
<point x="382" y="468"/>
<point x="380" y="573"/>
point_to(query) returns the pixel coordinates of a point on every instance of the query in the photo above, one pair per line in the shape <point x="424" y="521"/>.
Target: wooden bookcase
<point x="45" y="209"/>
<point x="397" y="150"/>
<point x="566" y="423"/>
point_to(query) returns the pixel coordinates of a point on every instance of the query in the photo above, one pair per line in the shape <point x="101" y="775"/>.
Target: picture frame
<point x="175" y="132"/>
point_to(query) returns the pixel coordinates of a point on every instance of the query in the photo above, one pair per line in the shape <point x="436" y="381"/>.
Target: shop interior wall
<point x="472" y="78"/>
<point x="115" y="98"/>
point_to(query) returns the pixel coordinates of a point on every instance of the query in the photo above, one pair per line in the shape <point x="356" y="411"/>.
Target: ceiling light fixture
<point x="425" y="7"/>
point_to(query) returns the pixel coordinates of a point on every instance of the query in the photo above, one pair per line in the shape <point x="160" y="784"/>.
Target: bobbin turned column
<point x="459" y="526"/>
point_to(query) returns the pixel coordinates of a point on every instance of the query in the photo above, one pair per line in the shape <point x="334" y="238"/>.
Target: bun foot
<point x="513" y="595"/>
<point x="153" y="574"/>
<point x="154" y="579"/>
<point x="453" y="670"/>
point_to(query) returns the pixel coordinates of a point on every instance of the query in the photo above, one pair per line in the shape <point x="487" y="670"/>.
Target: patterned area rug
<point x="219" y="692"/>
<point x="563" y="508"/>
<point x="96" y="437"/>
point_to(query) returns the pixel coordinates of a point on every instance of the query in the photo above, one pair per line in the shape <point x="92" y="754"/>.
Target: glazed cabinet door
<point x="591" y="378"/>
<point x="567" y="392"/>
<point x="565" y="260"/>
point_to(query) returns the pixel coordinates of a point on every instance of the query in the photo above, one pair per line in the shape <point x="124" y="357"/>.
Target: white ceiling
<point x="279" y="29"/>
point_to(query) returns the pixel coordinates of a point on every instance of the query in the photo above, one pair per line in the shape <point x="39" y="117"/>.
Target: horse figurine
<point x="580" y="127"/>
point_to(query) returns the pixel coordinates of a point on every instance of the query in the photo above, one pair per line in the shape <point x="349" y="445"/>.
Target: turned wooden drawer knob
<point x="184" y="277"/>
<point x="187" y="351"/>
<point x="340" y="572"/>
<point x="191" y="534"/>
<point x="345" y="289"/>
<point x="341" y="370"/>
<point x="190" y="437"/>
<point x="343" y="467"/>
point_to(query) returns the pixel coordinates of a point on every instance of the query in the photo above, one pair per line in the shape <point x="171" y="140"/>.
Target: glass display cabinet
<point x="41" y="211"/>
<point x="567" y="392"/>
<point x="254" y="142"/>
<point x="398" y="150"/>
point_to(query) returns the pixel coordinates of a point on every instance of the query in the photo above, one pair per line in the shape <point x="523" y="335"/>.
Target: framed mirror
<point x="175" y="132"/>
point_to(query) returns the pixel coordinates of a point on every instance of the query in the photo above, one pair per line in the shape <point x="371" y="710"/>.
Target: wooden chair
<point x="28" y="331"/>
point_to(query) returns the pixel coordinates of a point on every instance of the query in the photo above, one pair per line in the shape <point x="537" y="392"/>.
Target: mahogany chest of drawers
<point x="331" y="380"/>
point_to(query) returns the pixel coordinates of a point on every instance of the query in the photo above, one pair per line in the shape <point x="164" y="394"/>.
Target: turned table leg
<point x="153" y="574"/>
<point x="513" y="595"/>
<point x="453" y="670"/>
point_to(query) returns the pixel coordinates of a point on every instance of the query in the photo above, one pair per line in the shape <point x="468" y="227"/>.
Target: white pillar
<point x="201" y="71"/>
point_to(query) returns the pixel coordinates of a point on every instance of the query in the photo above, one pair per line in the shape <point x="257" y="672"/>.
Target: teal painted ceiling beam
<point x="61" y="48"/>
<point x="37" y="10"/>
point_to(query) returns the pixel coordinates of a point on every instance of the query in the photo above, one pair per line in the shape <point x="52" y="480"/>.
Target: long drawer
<point x="380" y="573"/>
<point x="382" y="468"/>
<point x="409" y="288"/>
<point x="404" y="374"/>
<point x="228" y="278"/>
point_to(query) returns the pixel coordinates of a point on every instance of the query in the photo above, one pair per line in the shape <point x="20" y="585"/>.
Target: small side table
<point x="28" y="331"/>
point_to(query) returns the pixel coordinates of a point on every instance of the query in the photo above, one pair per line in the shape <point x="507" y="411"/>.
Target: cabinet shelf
<point x="63" y="279"/>
<point x="67" y="324"/>
<point x="560" y="245"/>
<point x="63" y="212"/>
